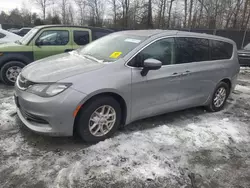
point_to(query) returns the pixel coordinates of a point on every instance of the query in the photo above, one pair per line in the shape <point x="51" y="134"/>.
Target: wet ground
<point x="190" y="148"/>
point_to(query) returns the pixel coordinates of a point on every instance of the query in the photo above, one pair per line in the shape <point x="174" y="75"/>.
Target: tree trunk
<point x="200" y="14"/>
<point x="114" y="10"/>
<point x="236" y="13"/>
<point x="160" y="14"/>
<point x="149" y="21"/>
<point x="163" y="13"/>
<point x="244" y="14"/>
<point x="185" y="12"/>
<point x="169" y="13"/>
<point x="247" y="21"/>
<point x="190" y="13"/>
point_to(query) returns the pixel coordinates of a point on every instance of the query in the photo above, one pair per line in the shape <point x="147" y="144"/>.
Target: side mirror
<point x="39" y="43"/>
<point x="150" y="64"/>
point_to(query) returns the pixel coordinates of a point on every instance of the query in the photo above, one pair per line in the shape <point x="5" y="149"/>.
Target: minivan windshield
<point x="26" y="38"/>
<point x="111" y="47"/>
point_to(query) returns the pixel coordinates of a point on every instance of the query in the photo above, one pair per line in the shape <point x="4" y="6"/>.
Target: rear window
<point x="221" y="50"/>
<point x="81" y="37"/>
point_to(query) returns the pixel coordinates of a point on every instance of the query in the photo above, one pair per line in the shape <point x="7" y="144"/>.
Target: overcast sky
<point x="7" y="5"/>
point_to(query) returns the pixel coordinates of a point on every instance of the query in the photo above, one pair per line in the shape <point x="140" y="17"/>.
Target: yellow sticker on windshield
<point x="115" y="55"/>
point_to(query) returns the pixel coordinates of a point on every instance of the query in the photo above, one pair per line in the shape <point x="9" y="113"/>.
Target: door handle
<point x="175" y="74"/>
<point x="186" y="73"/>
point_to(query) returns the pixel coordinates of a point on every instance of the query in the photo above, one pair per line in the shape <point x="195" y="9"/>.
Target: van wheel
<point x="219" y="97"/>
<point x="10" y="71"/>
<point x="98" y="119"/>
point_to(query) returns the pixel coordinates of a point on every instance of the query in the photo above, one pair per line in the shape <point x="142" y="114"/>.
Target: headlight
<point x="48" y="90"/>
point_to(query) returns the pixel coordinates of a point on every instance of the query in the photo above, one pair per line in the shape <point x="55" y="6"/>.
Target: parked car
<point x="244" y="55"/>
<point x="23" y="31"/>
<point x="6" y="36"/>
<point x="12" y="30"/>
<point x="41" y="42"/>
<point x="123" y="77"/>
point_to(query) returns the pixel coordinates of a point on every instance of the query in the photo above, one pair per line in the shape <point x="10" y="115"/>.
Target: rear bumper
<point x="53" y="115"/>
<point x="244" y="61"/>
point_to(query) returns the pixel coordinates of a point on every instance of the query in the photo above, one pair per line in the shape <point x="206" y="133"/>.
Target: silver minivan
<point x="124" y="77"/>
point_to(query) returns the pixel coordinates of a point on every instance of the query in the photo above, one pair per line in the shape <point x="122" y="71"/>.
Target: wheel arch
<point x="229" y="83"/>
<point x="14" y="57"/>
<point x="113" y="94"/>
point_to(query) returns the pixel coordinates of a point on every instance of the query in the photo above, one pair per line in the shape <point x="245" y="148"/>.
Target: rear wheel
<point x="10" y="71"/>
<point x="219" y="97"/>
<point x="99" y="119"/>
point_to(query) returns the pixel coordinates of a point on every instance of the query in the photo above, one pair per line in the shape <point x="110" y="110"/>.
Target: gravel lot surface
<point x="190" y="148"/>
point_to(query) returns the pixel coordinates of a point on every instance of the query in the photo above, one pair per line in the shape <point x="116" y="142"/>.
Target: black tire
<point x="211" y="107"/>
<point x="5" y="68"/>
<point x="82" y="122"/>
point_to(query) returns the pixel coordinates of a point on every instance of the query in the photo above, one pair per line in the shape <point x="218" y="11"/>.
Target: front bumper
<point x="52" y="115"/>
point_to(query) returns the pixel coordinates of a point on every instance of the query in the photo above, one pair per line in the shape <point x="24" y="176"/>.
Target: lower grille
<point x="33" y="117"/>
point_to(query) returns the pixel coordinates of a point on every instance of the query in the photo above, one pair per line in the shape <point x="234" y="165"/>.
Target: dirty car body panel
<point x="174" y="86"/>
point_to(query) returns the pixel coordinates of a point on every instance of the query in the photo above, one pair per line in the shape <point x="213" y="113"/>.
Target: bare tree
<point x="71" y="14"/>
<point x="190" y="12"/>
<point x="169" y="12"/>
<point x="185" y="13"/>
<point x="161" y="13"/>
<point x="244" y="14"/>
<point x="115" y="9"/>
<point x="43" y="4"/>
<point x="64" y="7"/>
<point x="125" y="9"/>
<point x="236" y="13"/>
<point x="149" y="20"/>
<point x="81" y="4"/>
<point x="96" y="11"/>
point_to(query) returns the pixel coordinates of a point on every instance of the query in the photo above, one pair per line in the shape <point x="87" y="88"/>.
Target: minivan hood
<point x="58" y="67"/>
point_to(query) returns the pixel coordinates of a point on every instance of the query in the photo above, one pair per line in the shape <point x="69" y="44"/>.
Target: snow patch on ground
<point x="244" y="89"/>
<point x="7" y="109"/>
<point x="191" y="142"/>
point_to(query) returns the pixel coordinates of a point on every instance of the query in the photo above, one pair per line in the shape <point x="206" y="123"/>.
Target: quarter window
<point x="2" y="35"/>
<point x="162" y="50"/>
<point x="81" y="37"/>
<point x="54" y="38"/>
<point x="221" y="50"/>
<point x="191" y="50"/>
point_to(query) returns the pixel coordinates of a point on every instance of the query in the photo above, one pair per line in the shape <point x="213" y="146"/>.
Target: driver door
<point x="158" y="91"/>
<point x="51" y="42"/>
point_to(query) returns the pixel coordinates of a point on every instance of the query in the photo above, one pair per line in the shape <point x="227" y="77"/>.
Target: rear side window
<point x="2" y="35"/>
<point x="81" y="37"/>
<point x="191" y="50"/>
<point x="99" y="34"/>
<point x="221" y="50"/>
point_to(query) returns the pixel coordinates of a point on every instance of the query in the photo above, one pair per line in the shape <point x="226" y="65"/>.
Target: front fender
<point x="25" y="57"/>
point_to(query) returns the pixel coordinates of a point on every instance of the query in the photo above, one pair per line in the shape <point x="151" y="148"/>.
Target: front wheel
<point x="219" y="97"/>
<point x="99" y="119"/>
<point x="10" y="71"/>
